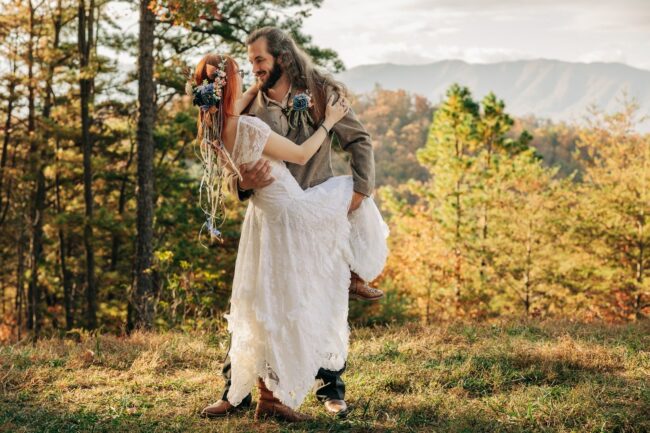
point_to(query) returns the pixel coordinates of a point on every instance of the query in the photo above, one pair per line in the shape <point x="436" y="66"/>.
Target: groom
<point x="283" y="70"/>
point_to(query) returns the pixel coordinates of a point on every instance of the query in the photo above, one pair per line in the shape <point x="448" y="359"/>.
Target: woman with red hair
<point x="289" y="305"/>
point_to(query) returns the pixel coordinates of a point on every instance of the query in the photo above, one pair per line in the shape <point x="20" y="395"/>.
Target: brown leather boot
<point x="219" y="409"/>
<point x="269" y="406"/>
<point x="361" y="291"/>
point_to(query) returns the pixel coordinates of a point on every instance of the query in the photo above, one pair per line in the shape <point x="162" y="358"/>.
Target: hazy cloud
<point x="422" y="31"/>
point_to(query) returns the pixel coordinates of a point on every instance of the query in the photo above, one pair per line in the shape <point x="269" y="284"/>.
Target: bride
<point x="289" y="306"/>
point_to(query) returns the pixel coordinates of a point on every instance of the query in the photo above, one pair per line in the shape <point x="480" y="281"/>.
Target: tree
<point x="613" y="206"/>
<point x="144" y="285"/>
<point x="86" y="44"/>
<point x="398" y="123"/>
<point x="450" y="157"/>
<point x="531" y="250"/>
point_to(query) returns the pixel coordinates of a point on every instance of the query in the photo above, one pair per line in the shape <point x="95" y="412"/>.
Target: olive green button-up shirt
<point x="352" y="136"/>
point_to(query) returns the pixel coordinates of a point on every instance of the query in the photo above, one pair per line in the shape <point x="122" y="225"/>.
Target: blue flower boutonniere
<point x="298" y="111"/>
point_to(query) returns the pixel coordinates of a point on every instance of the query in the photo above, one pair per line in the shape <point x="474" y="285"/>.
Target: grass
<point x="508" y="377"/>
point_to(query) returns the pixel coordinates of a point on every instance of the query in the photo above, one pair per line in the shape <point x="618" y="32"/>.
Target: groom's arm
<point x="232" y="181"/>
<point x="254" y="177"/>
<point x="355" y="140"/>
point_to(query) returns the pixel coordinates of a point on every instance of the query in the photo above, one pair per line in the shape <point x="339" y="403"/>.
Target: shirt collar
<point x="282" y="104"/>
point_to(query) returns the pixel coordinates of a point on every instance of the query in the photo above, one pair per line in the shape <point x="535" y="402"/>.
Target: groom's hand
<point x="255" y="176"/>
<point x="357" y="198"/>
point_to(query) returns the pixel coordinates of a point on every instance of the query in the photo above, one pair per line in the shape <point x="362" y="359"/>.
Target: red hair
<point x="210" y="127"/>
<point x="229" y="92"/>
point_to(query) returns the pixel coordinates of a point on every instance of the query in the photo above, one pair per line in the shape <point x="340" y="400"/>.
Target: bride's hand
<point x="252" y="90"/>
<point x="256" y="86"/>
<point x="336" y="111"/>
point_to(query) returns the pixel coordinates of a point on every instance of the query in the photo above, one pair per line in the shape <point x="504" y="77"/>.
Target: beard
<point x="274" y="76"/>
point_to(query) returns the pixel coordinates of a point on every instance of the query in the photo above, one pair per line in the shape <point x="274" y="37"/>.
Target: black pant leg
<point x="333" y="388"/>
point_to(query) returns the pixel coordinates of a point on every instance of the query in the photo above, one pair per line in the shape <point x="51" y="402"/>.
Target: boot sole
<point x="214" y="415"/>
<point x="361" y="298"/>
<point x="225" y="414"/>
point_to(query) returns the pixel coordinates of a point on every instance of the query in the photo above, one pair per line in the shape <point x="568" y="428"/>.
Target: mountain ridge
<point x="546" y="88"/>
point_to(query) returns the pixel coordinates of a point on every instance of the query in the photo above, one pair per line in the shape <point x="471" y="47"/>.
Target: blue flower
<point x="204" y="96"/>
<point x="207" y="90"/>
<point x="301" y="102"/>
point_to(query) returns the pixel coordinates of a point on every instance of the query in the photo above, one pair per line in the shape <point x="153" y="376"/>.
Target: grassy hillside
<point x="508" y="377"/>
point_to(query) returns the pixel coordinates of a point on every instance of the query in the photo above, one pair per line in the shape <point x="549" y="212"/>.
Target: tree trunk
<point x="20" y="289"/>
<point x="2" y="295"/>
<point x="486" y="210"/>
<point x="63" y="254"/>
<point x="117" y="238"/>
<point x="86" y="82"/>
<point x="529" y="263"/>
<point x="5" y="144"/>
<point x="457" y="251"/>
<point x="4" y="208"/>
<point x="48" y="103"/>
<point x="457" y="235"/>
<point x="640" y="268"/>
<point x="144" y="288"/>
<point x="38" y="197"/>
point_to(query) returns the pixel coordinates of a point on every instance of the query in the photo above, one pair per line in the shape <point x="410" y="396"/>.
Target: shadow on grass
<point x="17" y="416"/>
<point x="633" y="336"/>
<point x="483" y="375"/>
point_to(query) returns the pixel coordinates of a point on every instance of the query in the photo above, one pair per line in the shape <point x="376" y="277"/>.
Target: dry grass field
<point x="505" y="377"/>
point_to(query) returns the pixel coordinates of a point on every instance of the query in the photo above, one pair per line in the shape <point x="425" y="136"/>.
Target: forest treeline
<point x="99" y="219"/>
<point x="509" y="223"/>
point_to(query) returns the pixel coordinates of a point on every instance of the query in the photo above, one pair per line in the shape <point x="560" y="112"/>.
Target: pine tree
<point x="613" y="208"/>
<point x="450" y="157"/>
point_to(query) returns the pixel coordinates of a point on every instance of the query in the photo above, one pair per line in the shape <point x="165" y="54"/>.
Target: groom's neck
<point x="280" y="89"/>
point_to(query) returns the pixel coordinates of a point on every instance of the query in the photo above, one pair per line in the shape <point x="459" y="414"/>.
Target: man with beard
<point x="284" y="71"/>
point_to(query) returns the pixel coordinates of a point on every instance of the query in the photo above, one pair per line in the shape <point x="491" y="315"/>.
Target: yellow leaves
<point x="164" y="257"/>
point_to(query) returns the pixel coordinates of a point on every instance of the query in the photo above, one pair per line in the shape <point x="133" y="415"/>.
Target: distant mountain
<point x="545" y="88"/>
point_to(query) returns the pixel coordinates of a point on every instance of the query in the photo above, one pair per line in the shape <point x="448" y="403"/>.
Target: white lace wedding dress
<point x="289" y="307"/>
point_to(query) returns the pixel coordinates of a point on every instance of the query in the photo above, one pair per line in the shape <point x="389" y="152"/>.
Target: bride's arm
<point x="246" y="98"/>
<point x="279" y="147"/>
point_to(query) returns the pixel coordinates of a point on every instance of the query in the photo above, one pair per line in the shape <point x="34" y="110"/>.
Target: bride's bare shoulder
<point x="230" y="132"/>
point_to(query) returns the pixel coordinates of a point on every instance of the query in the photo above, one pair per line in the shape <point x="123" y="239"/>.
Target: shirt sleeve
<point x="356" y="141"/>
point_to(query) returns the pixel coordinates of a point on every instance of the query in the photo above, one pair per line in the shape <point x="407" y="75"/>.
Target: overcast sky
<point x="483" y="31"/>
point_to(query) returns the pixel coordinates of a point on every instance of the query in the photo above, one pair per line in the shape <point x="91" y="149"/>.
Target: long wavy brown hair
<point x="299" y="67"/>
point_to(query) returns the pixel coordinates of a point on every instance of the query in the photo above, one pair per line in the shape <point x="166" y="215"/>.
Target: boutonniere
<point x="298" y="111"/>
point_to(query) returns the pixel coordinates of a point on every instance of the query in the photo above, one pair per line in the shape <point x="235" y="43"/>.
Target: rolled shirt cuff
<point x="363" y="188"/>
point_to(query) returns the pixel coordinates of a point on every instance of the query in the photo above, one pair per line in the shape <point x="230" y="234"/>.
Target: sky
<point x="483" y="31"/>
